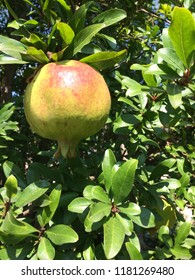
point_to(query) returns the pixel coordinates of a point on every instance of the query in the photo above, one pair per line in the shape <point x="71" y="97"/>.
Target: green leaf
<point x="133" y="87"/>
<point x="114" y="235"/>
<point x="187" y="3"/>
<point x="79" y="204"/>
<point x="37" y="55"/>
<point x="12" y="225"/>
<point x="182" y="232"/>
<point x="166" y="40"/>
<point x="174" y="95"/>
<point x="6" y="112"/>
<point x="135" y="240"/>
<point x="103" y="60"/>
<point x="12" y="48"/>
<point x="126" y="222"/>
<point x="16" y="252"/>
<point x="32" y="192"/>
<point x="97" y="193"/>
<point x="85" y="36"/>
<point x="145" y="219"/>
<point x="61" y="234"/>
<point x="88" y="250"/>
<point x="122" y="181"/>
<point x="92" y="226"/>
<point x="45" y="250"/>
<point x="77" y="21"/>
<point x="181" y="32"/>
<point x="107" y="165"/>
<point x="64" y="5"/>
<point x="162" y="168"/>
<point x="181" y="253"/>
<point x="5" y="59"/>
<point x="35" y="41"/>
<point x="111" y="41"/>
<point x="11" y="11"/>
<point x="130" y="208"/>
<point x="98" y="211"/>
<point x="169" y="55"/>
<point x="172" y="183"/>
<point x="189" y="243"/>
<point x="11" y="185"/>
<point x="164" y="236"/>
<point x="47" y="212"/>
<point x="133" y="251"/>
<point x="110" y="17"/>
<point x="66" y="33"/>
<point x="11" y="168"/>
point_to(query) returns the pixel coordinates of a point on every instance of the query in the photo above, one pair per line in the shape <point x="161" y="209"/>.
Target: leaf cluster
<point x="130" y="193"/>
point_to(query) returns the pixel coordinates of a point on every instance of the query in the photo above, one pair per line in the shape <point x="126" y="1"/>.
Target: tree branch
<point x="153" y="15"/>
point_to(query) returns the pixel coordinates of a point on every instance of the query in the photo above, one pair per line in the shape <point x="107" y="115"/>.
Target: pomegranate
<point x="67" y="101"/>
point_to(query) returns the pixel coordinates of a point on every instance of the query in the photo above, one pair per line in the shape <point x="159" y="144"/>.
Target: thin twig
<point x="154" y="15"/>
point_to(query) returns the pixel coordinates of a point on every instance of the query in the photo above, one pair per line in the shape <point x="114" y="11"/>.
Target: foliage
<point x="130" y="193"/>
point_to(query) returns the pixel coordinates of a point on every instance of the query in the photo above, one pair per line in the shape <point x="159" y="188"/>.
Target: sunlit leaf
<point x="181" y="31"/>
<point x="114" y="234"/>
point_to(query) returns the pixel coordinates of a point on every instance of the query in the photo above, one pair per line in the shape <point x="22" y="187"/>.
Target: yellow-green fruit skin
<point x="67" y="101"/>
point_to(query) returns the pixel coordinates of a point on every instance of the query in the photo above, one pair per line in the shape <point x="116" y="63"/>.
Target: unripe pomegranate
<point x="67" y="101"/>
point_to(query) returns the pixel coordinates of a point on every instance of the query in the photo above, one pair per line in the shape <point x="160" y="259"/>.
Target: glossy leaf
<point x="172" y="183"/>
<point x="174" y="95"/>
<point x="11" y="185"/>
<point x="5" y="59"/>
<point x="91" y="225"/>
<point x="77" y="21"/>
<point x="32" y="192"/>
<point x="11" y="168"/>
<point x="37" y="55"/>
<point x="133" y="251"/>
<point x="98" y="211"/>
<point x="182" y="232"/>
<point x="107" y="165"/>
<point x="66" y="33"/>
<point x="126" y="222"/>
<point x="162" y="168"/>
<point x="130" y="208"/>
<point x="45" y="250"/>
<point x="181" y="32"/>
<point x="79" y="204"/>
<point x="61" y="234"/>
<point x="165" y="237"/>
<point x="6" y="111"/>
<point x="48" y="211"/>
<point x="114" y="235"/>
<point x="145" y="219"/>
<point x="85" y="36"/>
<point x="35" y="41"/>
<point x="133" y="87"/>
<point x="169" y="55"/>
<point x="122" y="181"/>
<point x="88" y="252"/>
<point x="14" y="226"/>
<point x="12" y="47"/>
<point x="103" y="60"/>
<point x="96" y="193"/>
<point x="64" y="5"/>
<point x="188" y="3"/>
<point x="181" y="253"/>
<point x="110" y="17"/>
<point x="16" y="252"/>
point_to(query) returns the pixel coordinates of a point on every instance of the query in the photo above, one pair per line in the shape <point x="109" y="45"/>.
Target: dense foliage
<point x="130" y="193"/>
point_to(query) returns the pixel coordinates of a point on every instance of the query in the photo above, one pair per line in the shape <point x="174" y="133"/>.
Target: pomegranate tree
<point x="67" y="101"/>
